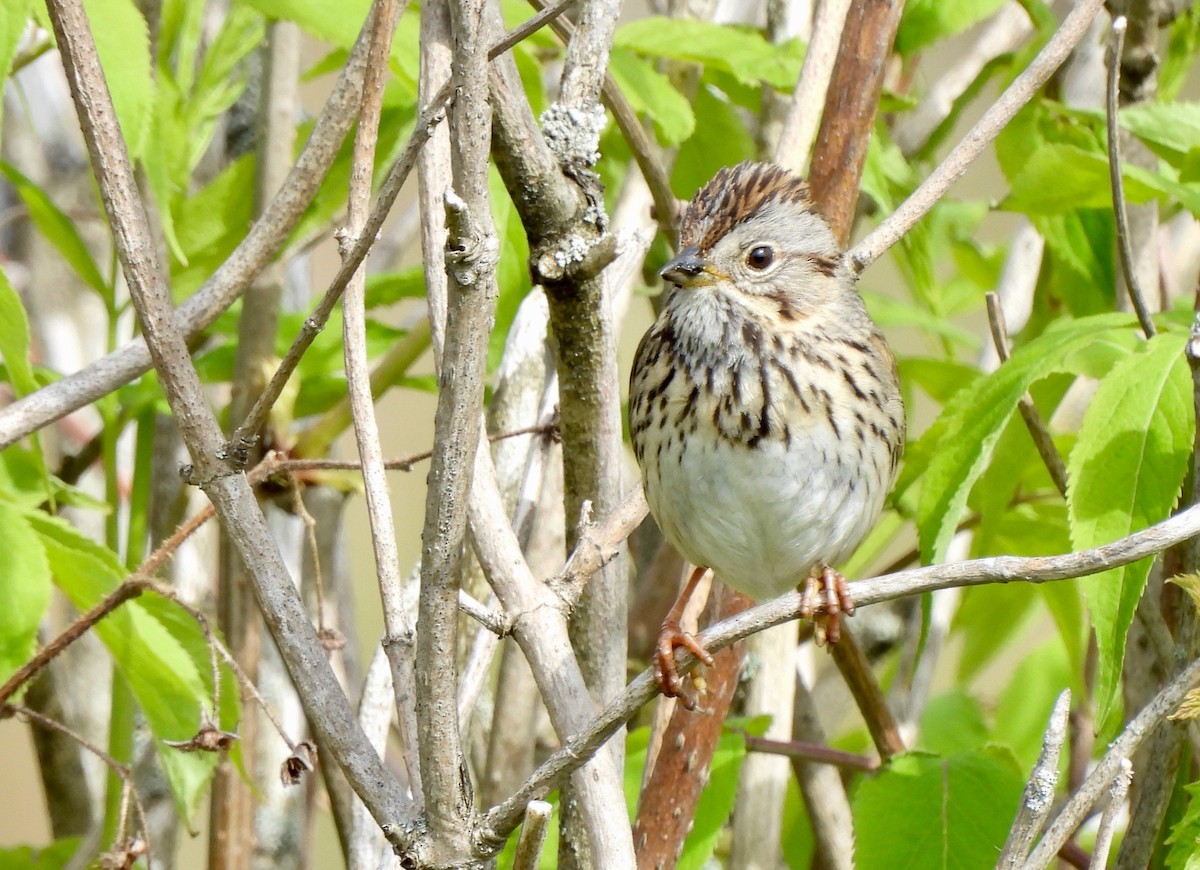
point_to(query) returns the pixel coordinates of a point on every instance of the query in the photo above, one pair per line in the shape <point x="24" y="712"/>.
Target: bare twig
<point x="231" y="278"/>
<point x="1020" y="92"/>
<point x="315" y="682"/>
<point x="1029" y="412"/>
<point x="398" y="639"/>
<point x="1038" y="797"/>
<point x="816" y="752"/>
<point x="1108" y="819"/>
<point x="471" y="254"/>
<point x="804" y="112"/>
<point x="1072" y="814"/>
<point x="1120" y="210"/>
<point x="533" y="836"/>
<point x="122" y="772"/>
<point x="821" y="787"/>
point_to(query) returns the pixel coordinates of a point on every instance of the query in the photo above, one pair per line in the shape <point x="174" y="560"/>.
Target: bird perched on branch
<point x="764" y="407"/>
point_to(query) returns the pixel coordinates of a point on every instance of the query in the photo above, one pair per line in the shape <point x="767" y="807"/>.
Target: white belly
<point x="762" y="518"/>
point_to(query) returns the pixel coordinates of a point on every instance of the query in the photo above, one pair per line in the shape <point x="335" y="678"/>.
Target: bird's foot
<point x="666" y="672"/>
<point x="825" y="596"/>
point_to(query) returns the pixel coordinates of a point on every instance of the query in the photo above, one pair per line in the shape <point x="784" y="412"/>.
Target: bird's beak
<point x="689" y="269"/>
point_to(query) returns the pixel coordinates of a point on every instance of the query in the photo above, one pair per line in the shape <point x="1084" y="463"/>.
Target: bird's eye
<point x="760" y="257"/>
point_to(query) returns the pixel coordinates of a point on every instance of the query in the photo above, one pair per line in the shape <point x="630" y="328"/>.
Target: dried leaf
<point x="209" y="738"/>
<point x="303" y="760"/>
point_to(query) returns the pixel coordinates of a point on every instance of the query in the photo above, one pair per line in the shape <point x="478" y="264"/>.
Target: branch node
<point x="469" y="253"/>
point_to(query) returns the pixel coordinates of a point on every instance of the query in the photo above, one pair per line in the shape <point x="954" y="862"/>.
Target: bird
<point x="765" y="408"/>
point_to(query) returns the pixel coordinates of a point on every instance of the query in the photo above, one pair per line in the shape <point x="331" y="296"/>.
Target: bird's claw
<point x="666" y="671"/>
<point x="825" y="596"/>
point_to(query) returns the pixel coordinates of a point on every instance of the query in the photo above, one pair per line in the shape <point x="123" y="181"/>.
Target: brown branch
<point x="671" y="792"/>
<point x="851" y="101"/>
<point x="861" y="681"/>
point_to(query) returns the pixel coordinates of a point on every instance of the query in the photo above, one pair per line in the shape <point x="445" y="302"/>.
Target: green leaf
<point x="1185" y="836"/>
<point x="1024" y="706"/>
<point x="951" y="723"/>
<point x="956" y="811"/>
<point x="742" y="51"/>
<point x="651" y="93"/>
<point x="123" y="43"/>
<point x="57" y="228"/>
<point x="1171" y="130"/>
<point x="925" y="22"/>
<point x="1058" y="177"/>
<point x="165" y="679"/>
<point x="1125" y="473"/>
<point x="53" y="857"/>
<point x="14" y="14"/>
<point x="14" y="338"/>
<point x="24" y="589"/>
<point x="970" y="424"/>
<point x="720" y="141"/>
<point x="386" y="288"/>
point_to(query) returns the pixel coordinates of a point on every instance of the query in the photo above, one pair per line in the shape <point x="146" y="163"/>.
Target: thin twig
<point x="868" y="695"/>
<point x="1108" y="819"/>
<point x="318" y="688"/>
<point x="533" y="836"/>
<point x="804" y="111"/>
<point x="1042" y="439"/>
<point x="1038" y="797"/>
<point x="230" y="279"/>
<point x="1014" y="98"/>
<point x="1073" y="813"/>
<point x="122" y="772"/>
<point x="1120" y="209"/>
<point x="428" y="119"/>
<point x="806" y="751"/>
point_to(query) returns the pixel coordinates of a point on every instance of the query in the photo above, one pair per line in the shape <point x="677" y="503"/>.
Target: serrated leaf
<point x="24" y="589"/>
<point x="742" y="51"/>
<point x="651" y="93"/>
<point x="962" y="438"/>
<point x="956" y="811"/>
<point x="1125" y="473"/>
<point x="165" y="679"/>
<point x="57" y="228"/>
<point x="123" y="43"/>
